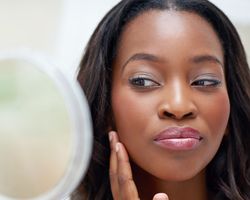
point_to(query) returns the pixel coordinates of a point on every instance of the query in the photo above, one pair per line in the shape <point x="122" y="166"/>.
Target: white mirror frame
<point x="79" y="114"/>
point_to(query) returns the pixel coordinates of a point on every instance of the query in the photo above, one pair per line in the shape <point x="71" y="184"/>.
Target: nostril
<point x="190" y="114"/>
<point x="168" y="114"/>
<point x="173" y="116"/>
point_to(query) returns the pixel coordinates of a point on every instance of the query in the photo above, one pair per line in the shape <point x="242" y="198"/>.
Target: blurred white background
<point x="60" y="28"/>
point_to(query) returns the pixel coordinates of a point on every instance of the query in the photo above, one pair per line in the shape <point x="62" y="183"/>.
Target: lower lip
<point x="179" y="144"/>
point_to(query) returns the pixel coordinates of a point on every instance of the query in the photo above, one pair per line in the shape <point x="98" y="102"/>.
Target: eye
<point x="206" y="83"/>
<point x="143" y="82"/>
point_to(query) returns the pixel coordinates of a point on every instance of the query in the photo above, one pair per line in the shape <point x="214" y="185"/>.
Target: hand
<point x="122" y="184"/>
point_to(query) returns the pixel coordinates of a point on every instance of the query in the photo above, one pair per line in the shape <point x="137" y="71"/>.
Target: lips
<point x="179" y="138"/>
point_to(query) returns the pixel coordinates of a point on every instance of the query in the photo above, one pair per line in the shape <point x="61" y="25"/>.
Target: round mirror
<point x="45" y="130"/>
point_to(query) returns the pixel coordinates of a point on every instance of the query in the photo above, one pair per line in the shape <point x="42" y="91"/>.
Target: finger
<point x="113" y="166"/>
<point x="127" y="188"/>
<point x="160" y="196"/>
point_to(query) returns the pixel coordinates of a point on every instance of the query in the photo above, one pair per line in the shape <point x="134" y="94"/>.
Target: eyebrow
<point x="151" y="57"/>
<point x="206" y="58"/>
<point x="141" y="56"/>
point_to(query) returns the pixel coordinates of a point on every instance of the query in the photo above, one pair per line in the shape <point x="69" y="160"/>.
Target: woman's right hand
<point x="122" y="184"/>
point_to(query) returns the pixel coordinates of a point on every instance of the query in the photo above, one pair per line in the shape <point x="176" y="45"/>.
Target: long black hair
<point x="228" y="174"/>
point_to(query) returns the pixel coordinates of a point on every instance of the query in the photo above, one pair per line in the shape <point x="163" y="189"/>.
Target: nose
<point x="177" y="103"/>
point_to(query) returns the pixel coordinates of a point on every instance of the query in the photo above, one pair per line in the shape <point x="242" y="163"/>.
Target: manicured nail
<point x="117" y="147"/>
<point x="160" y="196"/>
<point x="110" y="136"/>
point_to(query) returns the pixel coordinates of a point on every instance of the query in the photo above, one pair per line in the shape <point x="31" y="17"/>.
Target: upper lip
<point x="178" y="132"/>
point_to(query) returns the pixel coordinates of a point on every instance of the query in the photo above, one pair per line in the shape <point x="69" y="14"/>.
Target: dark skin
<point x="168" y="73"/>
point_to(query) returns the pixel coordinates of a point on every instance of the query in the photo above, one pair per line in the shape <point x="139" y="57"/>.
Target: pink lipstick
<point x="178" y="138"/>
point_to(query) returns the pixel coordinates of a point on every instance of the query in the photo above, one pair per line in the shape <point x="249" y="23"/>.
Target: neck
<point x="192" y="189"/>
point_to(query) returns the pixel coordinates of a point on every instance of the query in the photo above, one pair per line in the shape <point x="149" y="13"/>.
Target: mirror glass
<point x="45" y="131"/>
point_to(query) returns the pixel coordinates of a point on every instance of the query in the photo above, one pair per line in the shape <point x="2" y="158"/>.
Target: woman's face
<point x="169" y="96"/>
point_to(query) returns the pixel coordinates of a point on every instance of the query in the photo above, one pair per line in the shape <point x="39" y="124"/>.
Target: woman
<point x="169" y="81"/>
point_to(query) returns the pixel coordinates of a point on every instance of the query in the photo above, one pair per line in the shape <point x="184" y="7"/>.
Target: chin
<point x="180" y="175"/>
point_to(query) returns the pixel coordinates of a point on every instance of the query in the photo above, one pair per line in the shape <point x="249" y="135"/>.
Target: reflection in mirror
<point x="45" y="130"/>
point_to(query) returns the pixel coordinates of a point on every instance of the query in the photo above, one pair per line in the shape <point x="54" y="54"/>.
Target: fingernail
<point x="117" y="146"/>
<point x="110" y="136"/>
<point x="160" y="196"/>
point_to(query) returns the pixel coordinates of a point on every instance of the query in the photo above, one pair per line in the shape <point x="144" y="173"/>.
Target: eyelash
<point x="147" y="83"/>
<point x="143" y="82"/>
<point x="202" y="83"/>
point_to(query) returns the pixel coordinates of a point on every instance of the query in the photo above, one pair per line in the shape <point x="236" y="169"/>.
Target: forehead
<point x="165" y="32"/>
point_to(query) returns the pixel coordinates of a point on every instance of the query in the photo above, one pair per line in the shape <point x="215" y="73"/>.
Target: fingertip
<point x="160" y="196"/>
<point x="121" y="152"/>
<point x="117" y="147"/>
<point x="111" y="133"/>
<point x="113" y="136"/>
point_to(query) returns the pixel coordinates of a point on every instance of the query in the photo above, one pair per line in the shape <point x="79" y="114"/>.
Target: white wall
<point x="78" y="21"/>
<point x="29" y="23"/>
<point x="238" y="11"/>
<point x="61" y="28"/>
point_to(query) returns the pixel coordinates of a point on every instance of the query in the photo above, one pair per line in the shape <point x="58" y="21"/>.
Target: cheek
<point x="217" y="113"/>
<point x="131" y="113"/>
